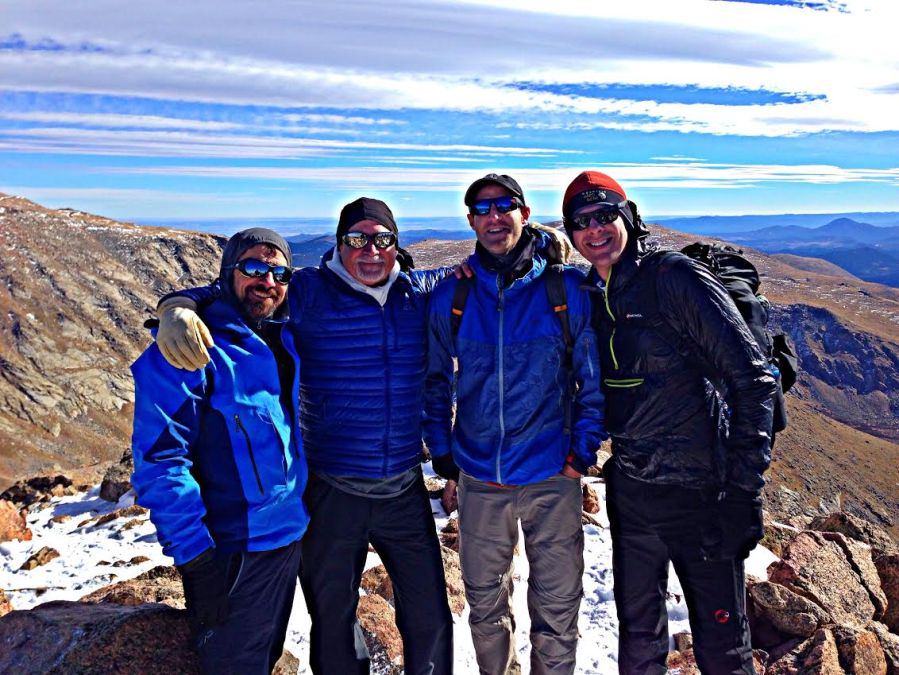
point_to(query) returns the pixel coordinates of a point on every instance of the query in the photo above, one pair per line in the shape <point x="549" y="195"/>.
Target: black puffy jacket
<point x="665" y="328"/>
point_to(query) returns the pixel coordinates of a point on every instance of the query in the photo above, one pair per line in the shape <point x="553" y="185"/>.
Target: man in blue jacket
<point x="358" y="330"/>
<point x="218" y="460"/>
<point x="523" y="436"/>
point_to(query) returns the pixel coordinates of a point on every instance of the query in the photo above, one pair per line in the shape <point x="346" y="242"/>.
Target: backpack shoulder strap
<point x="558" y="300"/>
<point x="460" y="296"/>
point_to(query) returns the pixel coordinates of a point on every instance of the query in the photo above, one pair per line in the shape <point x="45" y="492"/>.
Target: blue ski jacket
<point x="217" y="458"/>
<point x="511" y="386"/>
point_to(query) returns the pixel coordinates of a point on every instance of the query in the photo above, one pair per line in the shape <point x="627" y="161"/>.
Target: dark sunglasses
<point x="502" y="204"/>
<point x="361" y="239"/>
<point x="605" y="215"/>
<point x="256" y="269"/>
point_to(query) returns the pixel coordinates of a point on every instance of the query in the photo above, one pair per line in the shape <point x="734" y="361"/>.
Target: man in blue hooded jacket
<point x="520" y="462"/>
<point x="218" y="460"/>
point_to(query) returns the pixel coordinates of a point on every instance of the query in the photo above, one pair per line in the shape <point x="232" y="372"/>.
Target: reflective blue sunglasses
<point x="502" y="204"/>
<point x="256" y="269"/>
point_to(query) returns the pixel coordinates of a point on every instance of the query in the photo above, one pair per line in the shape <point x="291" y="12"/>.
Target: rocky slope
<point x="74" y="292"/>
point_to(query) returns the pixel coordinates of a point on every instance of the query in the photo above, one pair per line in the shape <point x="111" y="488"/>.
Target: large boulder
<point x="787" y="612"/>
<point x="117" y="479"/>
<point x="859" y="556"/>
<point x="819" y="570"/>
<point x="12" y="523"/>
<point x="75" y="637"/>
<point x="161" y="584"/>
<point x="889" y="642"/>
<point x="860" y="651"/>
<point x="888" y="570"/>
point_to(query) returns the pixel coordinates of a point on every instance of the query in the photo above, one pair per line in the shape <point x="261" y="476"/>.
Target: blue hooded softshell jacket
<point x="511" y="383"/>
<point x="217" y="459"/>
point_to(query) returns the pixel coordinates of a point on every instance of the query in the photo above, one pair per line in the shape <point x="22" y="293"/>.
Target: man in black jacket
<point x="685" y="477"/>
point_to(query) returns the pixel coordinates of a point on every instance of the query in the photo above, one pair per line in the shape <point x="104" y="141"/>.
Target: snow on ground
<point x="90" y="553"/>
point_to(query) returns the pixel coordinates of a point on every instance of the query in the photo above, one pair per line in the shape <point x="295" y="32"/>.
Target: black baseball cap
<point x="500" y="179"/>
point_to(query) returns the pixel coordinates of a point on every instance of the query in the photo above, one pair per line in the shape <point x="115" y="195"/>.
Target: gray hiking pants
<point x="550" y="516"/>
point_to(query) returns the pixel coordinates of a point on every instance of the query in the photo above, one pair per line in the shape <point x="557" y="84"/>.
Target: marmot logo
<point x="633" y="316"/>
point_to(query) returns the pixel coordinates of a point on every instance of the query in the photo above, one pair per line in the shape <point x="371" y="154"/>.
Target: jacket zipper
<point x="242" y="429"/>
<point x="605" y="296"/>
<point x="500" y="381"/>
<point x="385" y="355"/>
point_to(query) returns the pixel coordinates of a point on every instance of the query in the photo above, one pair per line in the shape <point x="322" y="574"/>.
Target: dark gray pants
<point x="251" y="639"/>
<point x="550" y="517"/>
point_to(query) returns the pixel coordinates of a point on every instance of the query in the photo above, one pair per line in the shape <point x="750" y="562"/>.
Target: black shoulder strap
<point x="460" y="296"/>
<point x="558" y="300"/>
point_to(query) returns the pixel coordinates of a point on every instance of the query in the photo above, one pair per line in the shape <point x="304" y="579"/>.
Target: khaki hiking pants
<point x="550" y="516"/>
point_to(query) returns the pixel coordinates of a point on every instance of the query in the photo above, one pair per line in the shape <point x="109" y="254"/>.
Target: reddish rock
<point x="375" y="580"/>
<point x="822" y="657"/>
<point x="161" y="584"/>
<point x="42" y="557"/>
<point x="127" y="512"/>
<point x="382" y="637"/>
<point x="12" y="523"/>
<point x="860" y="651"/>
<point x="74" y="637"/>
<point x="786" y="611"/>
<point x="889" y="642"/>
<point x="590" y="499"/>
<point x="288" y="664"/>
<point x="39" y="489"/>
<point x="455" y="589"/>
<point x="859" y="556"/>
<point x="888" y="572"/>
<point x="777" y="537"/>
<point x="5" y="604"/>
<point x="818" y="570"/>
<point x="449" y="535"/>
<point x="682" y="663"/>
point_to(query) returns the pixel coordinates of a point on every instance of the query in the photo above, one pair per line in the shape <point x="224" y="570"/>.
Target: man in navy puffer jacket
<point x="519" y="463"/>
<point x="218" y="460"/>
<point x="358" y="330"/>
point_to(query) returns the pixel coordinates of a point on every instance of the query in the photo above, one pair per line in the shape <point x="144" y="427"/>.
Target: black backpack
<point x="558" y="300"/>
<point x="741" y="280"/>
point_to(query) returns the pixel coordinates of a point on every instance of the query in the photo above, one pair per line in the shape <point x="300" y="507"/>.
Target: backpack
<point x="740" y="279"/>
<point x="558" y="300"/>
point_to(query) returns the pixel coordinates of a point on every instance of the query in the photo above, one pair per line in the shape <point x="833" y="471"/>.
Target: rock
<point x="39" y="489"/>
<point x="786" y="659"/>
<point x="12" y="523"/>
<point x="590" y="499"/>
<point x="822" y="658"/>
<point x="788" y="612"/>
<point x="288" y="664"/>
<point x="63" y="518"/>
<point x="375" y="580"/>
<point x="777" y="536"/>
<point x="855" y="528"/>
<point x="449" y="535"/>
<point x="682" y="663"/>
<point x="5" y="604"/>
<point x="127" y="512"/>
<point x="161" y="584"/>
<point x="603" y="455"/>
<point x="42" y="557"/>
<point x="449" y="498"/>
<point x="818" y="570"/>
<point x="859" y="556"/>
<point x="455" y="589"/>
<point x="382" y="637"/>
<point x="860" y="651"/>
<point x="888" y="570"/>
<point x="74" y="637"/>
<point x="889" y="642"/>
<point x="434" y="486"/>
<point x="682" y="641"/>
<point x="117" y="479"/>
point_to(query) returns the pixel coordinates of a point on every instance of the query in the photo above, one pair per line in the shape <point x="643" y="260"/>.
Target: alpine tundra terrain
<point x="75" y="290"/>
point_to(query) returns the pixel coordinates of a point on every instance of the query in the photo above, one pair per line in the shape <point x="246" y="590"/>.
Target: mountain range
<point x="76" y="289"/>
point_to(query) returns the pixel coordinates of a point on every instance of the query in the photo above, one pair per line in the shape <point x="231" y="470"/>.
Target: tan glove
<point x="561" y="246"/>
<point x="182" y="337"/>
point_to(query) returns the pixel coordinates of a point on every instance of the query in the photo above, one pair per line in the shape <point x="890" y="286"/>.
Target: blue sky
<point x="292" y="108"/>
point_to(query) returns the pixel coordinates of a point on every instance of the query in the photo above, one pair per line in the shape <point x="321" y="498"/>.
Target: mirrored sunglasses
<point x="502" y="204"/>
<point x="604" y="215"/>
<point x="382" y="240"/>
<point x="256" y="269"/>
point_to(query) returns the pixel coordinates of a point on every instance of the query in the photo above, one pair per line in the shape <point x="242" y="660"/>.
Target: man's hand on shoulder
<point x="561" y="245"/>
<point x="182" y="337"/>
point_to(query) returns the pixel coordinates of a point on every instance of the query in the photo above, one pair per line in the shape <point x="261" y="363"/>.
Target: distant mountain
<point x="307" y="249"/>
<point x="868" y="252"/>
<point x="725" y="225"/>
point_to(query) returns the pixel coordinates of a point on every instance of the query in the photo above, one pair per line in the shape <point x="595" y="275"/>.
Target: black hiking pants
<point x="401" y="529"/>
<point x="652" y="525"/>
